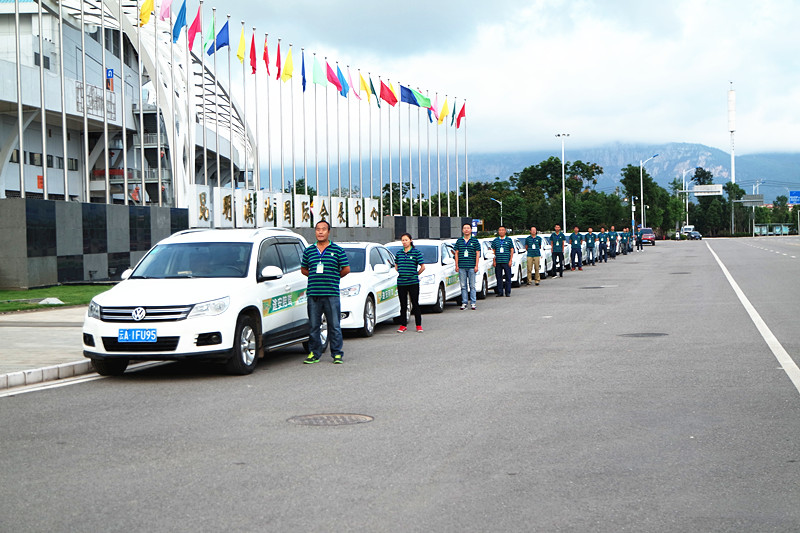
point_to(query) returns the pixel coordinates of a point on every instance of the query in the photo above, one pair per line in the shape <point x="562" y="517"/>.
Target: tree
<point x="713" y="218"/>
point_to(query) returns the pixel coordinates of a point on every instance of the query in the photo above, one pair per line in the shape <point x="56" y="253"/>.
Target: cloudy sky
<point x="601" y="70"/>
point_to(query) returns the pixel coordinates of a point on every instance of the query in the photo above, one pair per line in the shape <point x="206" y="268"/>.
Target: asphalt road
<point x="632" y="396"/>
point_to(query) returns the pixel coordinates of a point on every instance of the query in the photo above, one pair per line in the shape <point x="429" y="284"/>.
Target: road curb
<point x="48" y="373"/>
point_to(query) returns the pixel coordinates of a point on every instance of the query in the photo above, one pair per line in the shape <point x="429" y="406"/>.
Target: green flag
<point x="211" y="34"/>
<point x="422" y="100"/>
<point x="372" y="88"/>
<point x="319" y="75"/>
<point x="453" y="117"/>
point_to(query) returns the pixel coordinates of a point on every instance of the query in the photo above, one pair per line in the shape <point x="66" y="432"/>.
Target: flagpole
<point x="327" y="136"/>
<point x="400" y="160"/>
<point x="158" y="107"/>
<point x="428" y="135"/>
<point x="419" y="164"/>
<point x="43" y="109"/>
<point x="256" y="158"/>
<point x="447" y="158"/>
<point x="349" y="158"/>
<point x="438" y="167"/>
<point x="244" y="114"/>
<point x="369" y="118"/>
<point x="216" y="100"/>
<point x="269" y="127"/>
<point x="63" y="104"/>
<point x="20" y="120"/>
<point x="124" y="125"/>
<point x="190" y="120"/>
<point x="85" y="105"/>
<point x="280" y="116"/>
<point x="338" y="144"/>
<point x="305" y="153"/>
<point x="105" y="105"/>
<point x="466" y="160"/>
<point x="360" y="162"/>
<point x="455" y="140"/>
<point x="230" y="108"/>
<point x="291" y="102"/>
<point x="173" y="145"/>
<point x="410" y="171"/>
<point x="380" y="148"/>
<point x="316" y="132"/>
<point x="389" y="142"/>
<point x="203" y="98"/>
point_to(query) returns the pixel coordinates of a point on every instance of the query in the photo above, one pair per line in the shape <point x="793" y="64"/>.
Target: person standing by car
<point x="503" y="254"/>
<point x="590" y="239"/>
<point x="468" y="253"/>
<point x="639" y="241"/>
<point x="557" y="240"/>
<point x="623" y="240"/>
<point x="602" y="239"/>
<point x="409" y="266"/>
<point x="533" y="246"/>
<point x="612" y="242"/>
<point x="324" y="263"/>
<point x="575" y="240"/>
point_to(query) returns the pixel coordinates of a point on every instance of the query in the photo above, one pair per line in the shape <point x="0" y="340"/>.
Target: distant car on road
<point x="648" y="237"/>
<point x="695" y="236"/>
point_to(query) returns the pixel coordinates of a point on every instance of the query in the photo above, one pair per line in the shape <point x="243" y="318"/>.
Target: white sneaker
<point x="463" y="306"/>
<point x="474" y="307"/>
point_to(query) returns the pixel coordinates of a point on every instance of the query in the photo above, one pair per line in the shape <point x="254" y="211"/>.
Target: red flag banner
<point x="266" y="55"/>
<point x="194" y="29"/>
<point x="278" y="61"/>
<point x="333" y="78"/>
<point x="253" y="56"/>
<point x="461" y="114"/>
<point x="388" y="95"/>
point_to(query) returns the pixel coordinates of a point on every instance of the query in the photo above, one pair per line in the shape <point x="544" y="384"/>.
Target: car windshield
<point x="430" y="253"/>
<point x="357" y="257"/>
<point x="195" y="260"/>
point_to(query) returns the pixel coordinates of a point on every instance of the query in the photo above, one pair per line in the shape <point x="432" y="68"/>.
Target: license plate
<point x="137" y="335"/>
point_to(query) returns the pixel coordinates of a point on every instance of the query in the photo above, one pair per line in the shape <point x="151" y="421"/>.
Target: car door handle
<point x="287" y="287"/>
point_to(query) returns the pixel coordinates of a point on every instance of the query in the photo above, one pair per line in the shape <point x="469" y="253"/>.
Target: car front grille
<point x="163" y="344"/>
<point x="171" y="313"/>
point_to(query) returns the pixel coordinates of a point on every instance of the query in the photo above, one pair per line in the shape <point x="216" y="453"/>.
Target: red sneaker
<point x="402" y="329"/>
<point x="419" y="329"/>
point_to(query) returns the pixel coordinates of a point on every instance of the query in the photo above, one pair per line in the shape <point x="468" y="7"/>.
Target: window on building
<point x="35" y="159"/>
<point x="36" y="60"/>
<point x="60" y="163"/>
<point x="73" y="164"/>
<point x="14" y="156"/>
<point x="49" y="161"/>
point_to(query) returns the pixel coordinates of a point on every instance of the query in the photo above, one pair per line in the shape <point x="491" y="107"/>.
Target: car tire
<point x="518" y="283"/>
<point x="481" y="295"/>
<point x="110" y="367"/>
<point x="324" y="330"/>
<point x="245" y="348"/>
<point x="370" y="317"/>
<point x="543" y="274"/>
<point x="438" y="307"/>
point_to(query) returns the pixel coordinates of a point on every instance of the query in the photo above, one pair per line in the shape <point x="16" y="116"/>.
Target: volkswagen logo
<point x="138" y="314"/>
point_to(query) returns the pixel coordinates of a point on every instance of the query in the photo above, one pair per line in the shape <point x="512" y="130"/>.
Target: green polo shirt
<point x="472" y="247"/>
<point x="602" y="237"/>
<point x="557" y="240"/>
<point x="575" y="239"/>
<point x="590" y="238"/>
<point x="624" y="236"/>
<point x="408" y="266"/>
<point x="612" y="236"/>
<point x="534" y="246"/>
<point x="639" y="234"/>
<point x="333" y="259"/>
<point x="502" y="249"/>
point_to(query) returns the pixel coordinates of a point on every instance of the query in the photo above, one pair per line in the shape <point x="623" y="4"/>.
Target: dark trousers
<point x="558" y="263"/>
<point x="612" y="249"/>
<point x="603" y="257"/>
<point x="624" y="248"/>
<point x="412" y="292"/>
<point x="590" y="255"/>
<point x="503" y="272"/>
<point x="576" y="252"/>
<point x="638" y="244"/>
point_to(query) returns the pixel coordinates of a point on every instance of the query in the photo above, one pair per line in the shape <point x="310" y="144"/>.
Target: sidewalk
<point x="41" y="346"/>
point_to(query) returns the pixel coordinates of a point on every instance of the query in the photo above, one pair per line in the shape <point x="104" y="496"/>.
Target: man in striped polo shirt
<point x="503" y="252"/>
<point x="325" y="263"/>
<point x="468" y="252"/>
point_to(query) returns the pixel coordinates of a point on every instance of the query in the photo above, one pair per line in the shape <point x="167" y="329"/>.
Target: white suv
<point x="225" y="295"/>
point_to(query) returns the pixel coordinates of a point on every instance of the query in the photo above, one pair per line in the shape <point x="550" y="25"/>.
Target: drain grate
<point x="638" y="335"/>
<point x="335" y="419"/>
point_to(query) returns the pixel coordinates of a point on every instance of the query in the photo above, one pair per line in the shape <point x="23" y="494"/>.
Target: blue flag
<point x="304" y="70"/>
<point x="222" y="40"/>
<point x="345" y="87"/>
<point x="407" y="96"/>
<point x="180" y="22"/>
<point x="430" y="115"/>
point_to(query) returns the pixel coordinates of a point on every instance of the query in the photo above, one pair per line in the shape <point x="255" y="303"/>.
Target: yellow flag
<point x="363" y="86"/>
<point x="147" y="9"/>
<point x="242" y="47"/>
<point x="288" y="66"/>
<point x="443" y="112"/>
<point x="397" y="97"/>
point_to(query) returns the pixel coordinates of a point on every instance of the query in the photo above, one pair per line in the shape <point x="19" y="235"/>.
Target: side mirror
<point x="269" y="273"/>
<point x="381" y="268"/>
<point x="125" y="275"/>
<point x="448" y="261"/>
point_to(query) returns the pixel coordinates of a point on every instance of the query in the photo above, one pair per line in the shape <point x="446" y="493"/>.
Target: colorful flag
<point x="266" y="55"/>
<point x="147" y="10"/>
<point x="432" y="111"/>
<point x="288" y="67"/>
<point x="344" y="89"/>
<point x="194" y="29"/>
<point x="364" y="87"/>
<point x="453" y="118"/>
<point x="211" y="33"/>
<point x="242" y="47"/>
<point x="165" y="9"/>
<point x="278" y="61"/>
<point x="253" y="58"/>
<point x="407" y="96"/>
<point x="388" y="95"/>
<point x="396" y="97"/>
<point x="180" y="23"/>
<point x="422" y="100"/>
<point x="318" y="76"/>
<point x="332" y="78"/>
<point x="461" y="114"/>
<point x="221" y="41"/>
<point x="443" y="112"/>
<point x="303" y="68"/>
<point x="372" y="89"/>
<point x="352" y="85"/>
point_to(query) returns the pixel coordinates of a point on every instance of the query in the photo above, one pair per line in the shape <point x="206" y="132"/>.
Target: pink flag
<point x="165" y="5"/>
<point x="353" y="85"/>
<point x="435" y="106"/>
<point x="333" y="78"/>
<point x="194" y="29"/>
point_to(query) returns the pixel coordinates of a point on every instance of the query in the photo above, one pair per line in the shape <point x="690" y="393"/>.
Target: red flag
<point x="333" y="78"/>
<point x="461" y="114"/>
<point x="253" y="53"/>
<point x="387" y="95"/>
<point x="266" y="54"/>
<point x="194" y="29"/>
<point x="278" y="61"/>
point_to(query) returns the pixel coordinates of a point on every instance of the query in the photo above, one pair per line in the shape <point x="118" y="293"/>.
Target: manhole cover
<point x="680" y="272"/>
<point x="329" y="419"/>
<point x="644" y="335"/>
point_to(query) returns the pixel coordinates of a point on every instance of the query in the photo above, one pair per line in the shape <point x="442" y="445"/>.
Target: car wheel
<point x="110" y="367"/>
<point x="519" y="278"/>
<point x="245" y="348"/>
<point x="543" y="274"/>
<point x="439" y="306"/>
<point x="369" y="318"/>
<point x="484" y="289"/>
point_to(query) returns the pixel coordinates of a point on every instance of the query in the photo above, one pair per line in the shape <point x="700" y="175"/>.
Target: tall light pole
<point x="641" y="185"/>
<point x="501" y="209"/>
<point x="687" y="194"/>
<point x="563" y="136"/>
<point x="633" y="212"/>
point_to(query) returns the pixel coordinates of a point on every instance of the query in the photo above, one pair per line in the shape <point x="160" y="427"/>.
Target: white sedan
<point x="439" y="282"/>
<point x="546" y="261"/>
<point x="519" y="263"/>
<point x="485" y="277"/>
<point x="369" y="291"/>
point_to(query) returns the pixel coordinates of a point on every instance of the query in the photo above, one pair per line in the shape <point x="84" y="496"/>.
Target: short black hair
<point x="323" y="222"/>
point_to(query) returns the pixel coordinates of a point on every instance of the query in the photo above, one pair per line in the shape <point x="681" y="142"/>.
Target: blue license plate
<point x="137" y="335"/>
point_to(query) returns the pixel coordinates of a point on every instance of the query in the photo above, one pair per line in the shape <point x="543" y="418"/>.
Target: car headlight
<point x="214" y="307"/>
<point x="427" y="280"/>
<point x="94" y="310"/>
<point x="353" y="290"/>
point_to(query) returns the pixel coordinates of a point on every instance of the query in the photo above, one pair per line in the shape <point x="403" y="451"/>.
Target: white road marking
<point x="787" y="363"/>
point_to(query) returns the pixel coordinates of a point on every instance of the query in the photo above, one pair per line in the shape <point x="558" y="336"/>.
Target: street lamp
<point x="501" y="209"/>
<point x="641" y="183"/>
<point x="633" y="210"/>
<point x="562" y="136"/>
<point x="687" y="193"/>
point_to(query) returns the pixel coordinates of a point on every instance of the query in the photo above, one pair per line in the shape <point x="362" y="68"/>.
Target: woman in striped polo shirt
<point x="409" y="266"/>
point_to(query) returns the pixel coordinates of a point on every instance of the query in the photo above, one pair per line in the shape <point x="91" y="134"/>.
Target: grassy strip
<point x="69" y="294"/>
